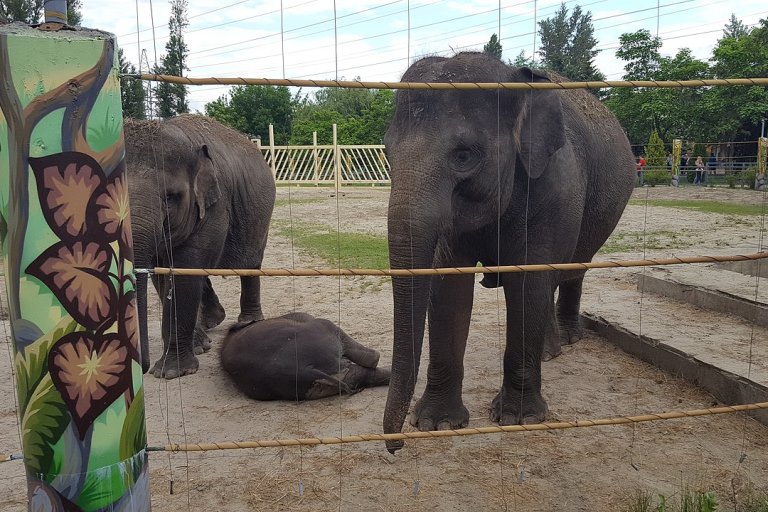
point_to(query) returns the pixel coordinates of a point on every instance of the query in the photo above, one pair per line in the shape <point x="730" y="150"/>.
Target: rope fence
<point x="438" y="434"/>
<point x="358" y="84"/>
<point x="543" y="267"/>
<point x="462" y="432"/>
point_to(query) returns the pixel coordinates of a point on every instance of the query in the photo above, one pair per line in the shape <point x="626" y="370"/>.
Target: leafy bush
<point x="657" y="177"/>
<point x="748" y="178"/>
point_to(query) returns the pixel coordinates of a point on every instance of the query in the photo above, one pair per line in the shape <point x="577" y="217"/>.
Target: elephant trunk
<point x="141" y="299"/>
<point x="412" y="243"/>
<point x="144" y="226"/>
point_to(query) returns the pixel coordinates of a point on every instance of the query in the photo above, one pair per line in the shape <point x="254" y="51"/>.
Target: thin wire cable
<point x="338" y="249"/>
<point x="498" y="260"/>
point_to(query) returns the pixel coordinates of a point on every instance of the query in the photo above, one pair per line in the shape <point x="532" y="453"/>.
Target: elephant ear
<point x="541" y="128"/>
<point x="206" y="185"/>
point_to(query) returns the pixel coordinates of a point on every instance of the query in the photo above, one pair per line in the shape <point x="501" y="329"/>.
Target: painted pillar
<point x="67" y="259"/>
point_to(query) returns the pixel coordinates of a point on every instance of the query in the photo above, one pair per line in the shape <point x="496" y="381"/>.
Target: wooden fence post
<point x="65" y="227"/>
<point x="272" y="162"/>
<point x="316" y="158"/>
<point x="336" y="160"/>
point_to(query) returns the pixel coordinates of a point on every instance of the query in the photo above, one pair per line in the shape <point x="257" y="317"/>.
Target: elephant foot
<point x="511" y="409"/>
<point x="570" y="331"/>
<point x="551" y="348"/>
<point x="250" y="317"/>
<point x="173" y="365"/>
<point x="436" y="414"/>
<point x="201" y="341"/>
<point x="212" y="316"/>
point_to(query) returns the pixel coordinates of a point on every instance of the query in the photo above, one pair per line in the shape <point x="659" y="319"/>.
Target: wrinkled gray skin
<point x="201" y="196"/>
<point x="298" y="357"/>
<point x="544" y="181"/>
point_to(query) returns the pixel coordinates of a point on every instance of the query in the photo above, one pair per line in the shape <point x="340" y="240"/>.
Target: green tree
<point x="250" y="109"/>
<point x="735" y="29"/>
<point x="26" y="11"/>
<point x="521" y="61"/>
<point x="131" y="90"/>
<point x="655" y="154"/>
<point x="568" y="44"/>
<point x="31" y="11"/>
<point x="640" y="51"/>
<point x="493" y="47"/>
<point x="74" y="12"/>
<point x="361" y="116"/>
<point x="172" y="98"/>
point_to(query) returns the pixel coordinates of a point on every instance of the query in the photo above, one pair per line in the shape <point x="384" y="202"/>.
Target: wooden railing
<point x="333" y="164"/>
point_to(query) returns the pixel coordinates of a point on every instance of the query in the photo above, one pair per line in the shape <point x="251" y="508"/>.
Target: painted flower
<point x="65" y="182"/>
<point x="77" y="274"/>
<point x="90" y="372"/>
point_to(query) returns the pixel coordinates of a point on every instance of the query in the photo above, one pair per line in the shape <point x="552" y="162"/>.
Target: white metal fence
<point x="332" y="164"/>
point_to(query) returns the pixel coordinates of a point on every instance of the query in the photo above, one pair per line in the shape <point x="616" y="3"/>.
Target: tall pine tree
<point x="172" y="98"/>
<point x="568" y="44"/>
<point x="493" y="47"/>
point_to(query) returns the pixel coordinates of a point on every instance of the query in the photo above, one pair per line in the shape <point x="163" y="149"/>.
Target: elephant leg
<point x="552" y="339"/>
<point x="181" y="301"/>
<point x="358" y="353"/>
<point x="250" y="299"/>
<point x="359" y="377"/>
<point x="568" y="306"/>
<point x="211" y="311"/>
<point x="441" y="407"/>
<point x="529" y="312"/>
<point x="201" y="342"/>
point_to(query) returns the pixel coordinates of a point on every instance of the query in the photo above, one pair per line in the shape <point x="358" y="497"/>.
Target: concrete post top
<point x="22" y="29"/>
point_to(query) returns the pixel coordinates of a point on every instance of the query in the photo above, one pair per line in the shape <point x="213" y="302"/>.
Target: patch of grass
<point x="631" y="241"/>
<point x="702" y="206"/>
<point x="346" y="250"/>
<point x="696" y="501"/>
<point x="285" y="202"/>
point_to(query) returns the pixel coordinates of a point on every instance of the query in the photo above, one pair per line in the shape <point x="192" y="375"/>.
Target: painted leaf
<point x="77" y="274"/>
<point x="32" y="363"/>
<point x="128" y="323"/>
<point x="65" y="183"/>
<point x="90" y="372"/>
<point x="42" y="424"/>
<point x="133" y="438"/>
<point x="112" y="212"/>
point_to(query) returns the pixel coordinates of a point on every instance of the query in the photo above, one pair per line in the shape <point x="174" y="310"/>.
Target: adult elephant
<point x="499" y="177"/>
<point x="201" y="196"/>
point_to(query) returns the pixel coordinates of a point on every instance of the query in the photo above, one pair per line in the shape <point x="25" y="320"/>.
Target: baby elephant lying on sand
<point x="296" y="356"/>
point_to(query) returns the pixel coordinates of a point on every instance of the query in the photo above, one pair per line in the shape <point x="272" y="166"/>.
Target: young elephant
<point x="298" y="357"/>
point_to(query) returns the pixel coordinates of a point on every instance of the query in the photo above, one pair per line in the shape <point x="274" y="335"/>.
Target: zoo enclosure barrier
<point x="334" y="164"/>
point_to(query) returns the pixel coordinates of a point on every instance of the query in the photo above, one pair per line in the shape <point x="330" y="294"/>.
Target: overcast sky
<point x="370" y="39"/>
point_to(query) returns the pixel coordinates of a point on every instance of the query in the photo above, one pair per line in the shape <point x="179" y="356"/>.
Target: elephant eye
<point x="172" y="197"/>
<point x="464" y="158"/>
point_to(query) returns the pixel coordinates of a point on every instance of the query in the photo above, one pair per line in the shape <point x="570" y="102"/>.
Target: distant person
<point x="640" y="167"/>
<point x="711" y="165"/>
<point x="699" y="180"/>
<point x="684" y="161"/>
<point x="669" y="161"/>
